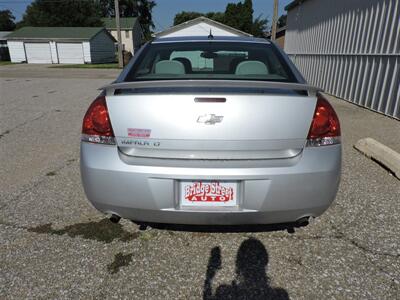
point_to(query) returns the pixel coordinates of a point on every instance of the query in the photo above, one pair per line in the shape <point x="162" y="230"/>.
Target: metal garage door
<point x="38" y="53"/>
<point x="70" y="53"/>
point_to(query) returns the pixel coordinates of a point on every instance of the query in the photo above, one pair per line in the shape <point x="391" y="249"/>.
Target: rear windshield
<point x="211" y="60"/>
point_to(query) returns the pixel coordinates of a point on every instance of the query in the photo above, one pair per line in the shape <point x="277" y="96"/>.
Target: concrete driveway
<point x="55" y="245"/>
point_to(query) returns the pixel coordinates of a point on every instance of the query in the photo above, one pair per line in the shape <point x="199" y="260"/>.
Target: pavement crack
<point x="4" y="133"/>
<point x="306" y="237"/>
<point x="339" y="235"/>
<point x="8" y="131"/>
<point x="41" y="179"/>
<point x="360" y="246"/>
<point x="367" y="249"/>
<point x="23" y="192"/>
<point x="2" y="222"/>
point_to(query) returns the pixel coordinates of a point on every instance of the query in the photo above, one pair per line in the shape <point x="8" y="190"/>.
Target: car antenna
<point x="210" y="36"/>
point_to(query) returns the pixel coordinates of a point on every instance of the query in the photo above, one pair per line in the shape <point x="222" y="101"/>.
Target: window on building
<point x="127" y="34"/>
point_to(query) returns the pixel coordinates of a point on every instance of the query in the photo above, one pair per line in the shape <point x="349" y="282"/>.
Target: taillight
<point x="325" y="126"/>
<point x="96" y="127"/>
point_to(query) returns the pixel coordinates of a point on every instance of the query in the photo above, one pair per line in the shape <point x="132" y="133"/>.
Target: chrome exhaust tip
<point x="304" y="221"/>
<point x="115" y="219"/>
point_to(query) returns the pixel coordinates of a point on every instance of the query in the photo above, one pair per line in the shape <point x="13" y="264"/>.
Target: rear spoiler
<point x="110" y="89"/>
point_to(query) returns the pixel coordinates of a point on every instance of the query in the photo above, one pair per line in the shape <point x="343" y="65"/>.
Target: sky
<point x="164" y="12"/>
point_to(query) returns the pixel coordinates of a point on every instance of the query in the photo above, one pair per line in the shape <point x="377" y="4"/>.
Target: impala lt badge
<point x="209" y="119"/>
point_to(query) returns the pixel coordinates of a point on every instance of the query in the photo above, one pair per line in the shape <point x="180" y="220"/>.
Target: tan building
<point x="131" y="32"/>
<point x="280" y="36"/>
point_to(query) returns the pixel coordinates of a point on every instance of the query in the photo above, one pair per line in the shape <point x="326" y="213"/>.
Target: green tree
<point x="216" y="16"/>
<point x="259" y="27"/>
<point x="233" y="15"/>
<point x="240" y="16"/>
<point x="6" y="20"/>
<point x="185" y="16"/>
<point x="237" y="15"/>
<point x="69" y="13"/>
<point x="132" y="8"/>
<point x="282" y="21"/>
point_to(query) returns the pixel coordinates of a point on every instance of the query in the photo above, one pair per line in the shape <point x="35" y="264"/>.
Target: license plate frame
<point x="208" y="193"/>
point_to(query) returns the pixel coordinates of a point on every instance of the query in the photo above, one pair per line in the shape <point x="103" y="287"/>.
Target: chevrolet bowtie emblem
<point x="209" y="119"/>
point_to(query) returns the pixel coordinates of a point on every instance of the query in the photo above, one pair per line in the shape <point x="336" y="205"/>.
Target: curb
<point x="380" y="153"/>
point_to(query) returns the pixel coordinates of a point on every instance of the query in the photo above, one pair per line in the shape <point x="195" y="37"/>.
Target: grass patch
<point x="4" y="63"/>
<point x="87" y="66"/>
<point x="147" y="235"/>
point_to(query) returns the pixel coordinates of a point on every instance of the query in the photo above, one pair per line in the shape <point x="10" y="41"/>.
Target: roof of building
<point x="249" y="39"/>
<point x="199" y="20"/>
<point x="279" y="32"/>
<point x="3" y="34"/>
<point x="293" y="4"/>
<point x="125" y="23"/>
<point x="55" y="33"/>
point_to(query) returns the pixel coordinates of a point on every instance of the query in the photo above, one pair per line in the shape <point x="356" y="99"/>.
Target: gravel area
<point x="55" y="245"/>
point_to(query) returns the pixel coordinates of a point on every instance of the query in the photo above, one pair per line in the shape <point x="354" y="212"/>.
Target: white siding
<point x="127" y="43"/>
<point x="17" y="51"/>
<point x="86" y="52"/>
<point x="70" y="53"/>
<point x="54" y="54"/>
<point x="351" y="49"/>
<point x="200" y="29"/>
<point x="38" y="53"/>
<point x="102" y="48"/>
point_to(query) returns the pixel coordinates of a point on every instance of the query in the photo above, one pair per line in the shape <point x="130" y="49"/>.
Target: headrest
<point x="186" y="63"/>
<point x="251" y="67"/>
<point x="169" y="67"/>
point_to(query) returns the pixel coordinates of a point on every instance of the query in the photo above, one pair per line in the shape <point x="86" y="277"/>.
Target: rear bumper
<point x="269" y="194"/>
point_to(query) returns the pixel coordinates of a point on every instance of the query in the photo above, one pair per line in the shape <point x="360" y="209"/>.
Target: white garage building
<point x="201" y="26"/>
<point x="61" y="45"/>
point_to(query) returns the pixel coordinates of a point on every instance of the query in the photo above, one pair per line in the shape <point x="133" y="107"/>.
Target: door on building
<point x="70" y="53"/>
<point x="38" y="53"/>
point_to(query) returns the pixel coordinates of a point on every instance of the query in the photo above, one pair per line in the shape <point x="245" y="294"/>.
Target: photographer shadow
<point x="251" y="280"/>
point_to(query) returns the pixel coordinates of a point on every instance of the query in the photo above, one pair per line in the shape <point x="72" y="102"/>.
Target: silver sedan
<point x="211" y="130"/>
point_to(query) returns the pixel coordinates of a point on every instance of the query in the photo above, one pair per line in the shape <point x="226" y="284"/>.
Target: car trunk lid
<point x="220" y="126"/>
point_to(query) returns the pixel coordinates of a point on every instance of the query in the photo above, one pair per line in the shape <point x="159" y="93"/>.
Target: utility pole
<point x="275" y="20"/>
<point x="120" y="59"/>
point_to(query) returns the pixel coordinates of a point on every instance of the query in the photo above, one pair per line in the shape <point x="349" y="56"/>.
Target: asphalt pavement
<point x="55" y="245"/>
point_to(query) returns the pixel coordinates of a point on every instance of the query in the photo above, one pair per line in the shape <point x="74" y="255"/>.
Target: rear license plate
<point x="208" y="193"/>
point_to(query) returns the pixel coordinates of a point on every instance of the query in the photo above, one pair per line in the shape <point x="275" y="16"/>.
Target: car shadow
<point x="251" y="280"/>
<point x="289" y="227"/>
